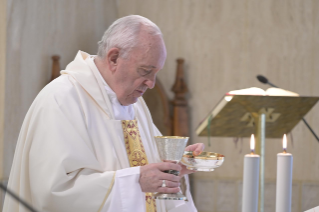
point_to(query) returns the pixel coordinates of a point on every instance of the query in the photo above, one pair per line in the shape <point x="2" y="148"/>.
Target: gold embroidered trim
<point x="107" y="193"/>
<point x="133" y="143"/>
<point x="136" y="154"/>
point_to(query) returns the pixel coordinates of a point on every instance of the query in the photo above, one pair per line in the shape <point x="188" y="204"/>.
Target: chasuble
<point x="71" y="153"/>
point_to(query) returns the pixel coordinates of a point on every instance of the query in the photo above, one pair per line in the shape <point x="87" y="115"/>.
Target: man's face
<point x="135" y="74"/>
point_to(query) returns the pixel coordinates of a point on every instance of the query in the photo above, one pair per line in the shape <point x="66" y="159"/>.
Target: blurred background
<point x="224" y="43"/>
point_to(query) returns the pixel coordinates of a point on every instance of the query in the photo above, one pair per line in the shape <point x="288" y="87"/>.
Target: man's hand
<point x="152" y="176"/>
<point x="197" y="149"/>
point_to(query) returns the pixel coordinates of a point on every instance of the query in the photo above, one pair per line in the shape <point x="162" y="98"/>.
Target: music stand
<point x="243" y="115"/>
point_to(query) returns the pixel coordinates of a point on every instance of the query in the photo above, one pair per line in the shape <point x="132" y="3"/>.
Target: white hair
<point x="123" y="34"/>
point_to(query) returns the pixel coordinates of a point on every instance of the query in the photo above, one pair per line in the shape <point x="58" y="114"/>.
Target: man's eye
<point x="144" y="72"/>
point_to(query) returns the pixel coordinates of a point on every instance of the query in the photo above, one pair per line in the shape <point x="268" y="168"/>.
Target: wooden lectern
<point x="243" y="115"/>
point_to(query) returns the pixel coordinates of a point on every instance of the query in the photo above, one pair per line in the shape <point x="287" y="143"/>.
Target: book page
<point x="280" y="92"/>
<point x="248" y="91"/>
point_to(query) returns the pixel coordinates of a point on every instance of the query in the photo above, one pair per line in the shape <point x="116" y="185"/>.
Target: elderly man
<point x="87" y="142"/>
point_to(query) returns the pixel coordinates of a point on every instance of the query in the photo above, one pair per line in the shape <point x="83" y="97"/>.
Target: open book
<point x="243" y="92"/>
<point x="259" y="91"/>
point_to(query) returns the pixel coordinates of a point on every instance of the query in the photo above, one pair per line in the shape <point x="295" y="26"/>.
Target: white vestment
<point x="70" y="154"/>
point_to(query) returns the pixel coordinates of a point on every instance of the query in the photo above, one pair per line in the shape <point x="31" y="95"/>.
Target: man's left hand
<point x="197" y="149"/>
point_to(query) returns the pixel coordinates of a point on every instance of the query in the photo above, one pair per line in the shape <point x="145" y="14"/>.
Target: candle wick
<point x="252" y="152"/>
<point x="285" y="151"/>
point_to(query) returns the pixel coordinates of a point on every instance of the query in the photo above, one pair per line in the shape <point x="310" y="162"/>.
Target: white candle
<point x="284" y="180"/>
<point x="251" y="180"/>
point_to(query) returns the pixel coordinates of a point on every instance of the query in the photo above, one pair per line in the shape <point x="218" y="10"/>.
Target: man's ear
<point x="112" y="58"/>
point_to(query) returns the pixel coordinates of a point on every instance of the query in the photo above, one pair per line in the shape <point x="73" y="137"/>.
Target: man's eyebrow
<point x="150" y="66"/>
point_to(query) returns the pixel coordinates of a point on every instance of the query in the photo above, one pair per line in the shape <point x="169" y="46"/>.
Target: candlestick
<point x="284" y="180"/>
<point x="251" y="180"/>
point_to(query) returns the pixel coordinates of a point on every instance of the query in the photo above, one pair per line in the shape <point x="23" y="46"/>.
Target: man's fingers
<point x="152" y="176"/>
<point x="169" y="166"/>
<point x="196" y="148"/>
<point x="169" y="177"/>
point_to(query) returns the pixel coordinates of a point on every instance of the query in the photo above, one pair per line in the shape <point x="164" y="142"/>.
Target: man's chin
<point x="129" y="101"/>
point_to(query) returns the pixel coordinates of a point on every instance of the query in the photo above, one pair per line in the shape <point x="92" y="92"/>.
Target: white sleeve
<point x="126" y="194"/>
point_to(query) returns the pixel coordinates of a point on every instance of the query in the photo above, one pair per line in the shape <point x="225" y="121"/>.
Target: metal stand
<point x="260" y="149"/>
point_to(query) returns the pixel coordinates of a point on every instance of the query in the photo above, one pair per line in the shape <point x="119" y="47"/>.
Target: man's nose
<point x="150" y="82"/>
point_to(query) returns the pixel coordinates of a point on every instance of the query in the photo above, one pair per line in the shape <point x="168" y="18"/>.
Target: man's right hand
<point x="152" y="176"/>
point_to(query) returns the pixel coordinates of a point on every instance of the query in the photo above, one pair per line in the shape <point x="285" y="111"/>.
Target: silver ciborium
<point x="170" y="149"/>
<point x="205" y="161"/>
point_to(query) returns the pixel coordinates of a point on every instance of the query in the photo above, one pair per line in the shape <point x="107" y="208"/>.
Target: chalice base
<point x="200" y="169"/>
<point x="176" y="196"/>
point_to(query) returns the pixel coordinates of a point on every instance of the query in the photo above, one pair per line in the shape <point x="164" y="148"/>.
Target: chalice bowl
<point x="170" y="149"/>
